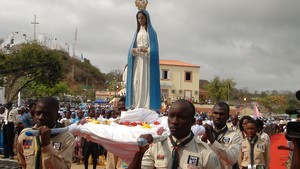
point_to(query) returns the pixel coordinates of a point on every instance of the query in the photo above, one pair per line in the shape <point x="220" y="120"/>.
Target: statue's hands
<point x="143" y="49"/>
<point x="136" y="51"/>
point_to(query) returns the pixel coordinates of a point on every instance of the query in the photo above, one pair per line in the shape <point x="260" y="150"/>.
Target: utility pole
<point x="34" y="27"/>
<point x="74" y="55"/>
<point x="75" y="42"/>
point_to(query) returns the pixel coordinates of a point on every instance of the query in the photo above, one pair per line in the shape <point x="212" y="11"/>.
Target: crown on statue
<point x="141" y="4"/>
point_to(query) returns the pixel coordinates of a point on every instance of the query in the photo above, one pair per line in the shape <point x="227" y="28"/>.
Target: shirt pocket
<point x="161" y="164"/>
<point x="246" y="154"/>
<point x="29" y="152"/>
<point x="189" y="166"/>
<point x="29" y="155"/>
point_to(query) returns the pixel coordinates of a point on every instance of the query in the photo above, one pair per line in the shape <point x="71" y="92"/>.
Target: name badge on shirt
<point x="260" y="146"/>
<point x="57" y="145"/>
<point x="193" y="160"/>
<point x="27" y="143"/>
<point x="226" y="140"/>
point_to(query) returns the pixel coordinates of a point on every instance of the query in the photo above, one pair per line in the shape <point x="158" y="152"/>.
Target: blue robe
<point x="155" y="99"/>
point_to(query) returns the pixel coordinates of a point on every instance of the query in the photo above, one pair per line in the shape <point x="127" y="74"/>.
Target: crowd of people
<point x="218" y="140"/>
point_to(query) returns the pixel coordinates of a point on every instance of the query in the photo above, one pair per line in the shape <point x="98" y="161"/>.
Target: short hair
<point x="32" y="104"/>
<point x="260" y="123"/>
<point x="253" y="122"/>
<point x="189" y="107"/>
<point x="241" y="121"/>
<point x="224" y="105"/>
<point x="50" y="101"/>
<point x="90" y="109"/>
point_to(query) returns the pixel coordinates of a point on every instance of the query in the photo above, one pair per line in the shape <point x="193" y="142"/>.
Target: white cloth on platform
<point x="140" y="114"/>
<point x="121" y="140"/>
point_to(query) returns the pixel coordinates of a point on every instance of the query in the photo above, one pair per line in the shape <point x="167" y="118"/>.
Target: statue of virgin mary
<point x="143" y="77"/>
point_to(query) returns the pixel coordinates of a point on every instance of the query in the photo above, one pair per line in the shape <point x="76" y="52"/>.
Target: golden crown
<point x="141" y="4"/>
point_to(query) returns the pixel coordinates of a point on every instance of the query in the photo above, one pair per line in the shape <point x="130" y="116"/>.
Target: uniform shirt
<point x="228" y="147"/>
<point x="265" y="136"/>
<point x="232" y="127"/>
<point x="12" y="116"/>
<point x="261" y="153"/>
<point x="196" y="154"/>
<point x="57" y="155"/>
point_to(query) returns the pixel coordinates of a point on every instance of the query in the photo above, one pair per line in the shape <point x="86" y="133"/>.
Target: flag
<point x="256" y="112"/>
<point x="19" y="99"/>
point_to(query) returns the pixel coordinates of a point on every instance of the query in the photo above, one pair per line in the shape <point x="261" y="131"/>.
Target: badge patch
<point x="260" y="146"/>
<point x="27" y="143"/>
<point x="226" y="140"/>
<point x="189" y="166"/>
<point x="160" y="157"/>
<point x="57" y="145"/>
<point x="27" y="159"/>
<point x="193" y="160"/>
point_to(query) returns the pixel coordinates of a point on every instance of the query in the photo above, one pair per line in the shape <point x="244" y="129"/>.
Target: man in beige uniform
<point x="181" y="149"/>
<point x="225" y="142"/>
<point x="255" y="150"/>
<point x="234" y="124"/>
<point x="56" y="151"/>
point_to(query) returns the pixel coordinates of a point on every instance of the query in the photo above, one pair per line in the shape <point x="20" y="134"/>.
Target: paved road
<point x="12" y="164"/>
<point x="8" y="163"/>
<point x="81" y="166"/>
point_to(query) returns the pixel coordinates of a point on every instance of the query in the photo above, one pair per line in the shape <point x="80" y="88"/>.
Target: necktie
<point x="176" y="147"/>
<point x="217" y="133"/>
<point x="252" y="143"/>
<point x="38" y="152"/>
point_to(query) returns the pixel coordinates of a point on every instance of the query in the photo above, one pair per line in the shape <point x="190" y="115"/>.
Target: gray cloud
<point x="256" y="43"/>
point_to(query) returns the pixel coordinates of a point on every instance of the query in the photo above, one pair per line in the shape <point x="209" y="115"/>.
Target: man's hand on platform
<point x="45" y="135"/>
<point x="149" y="139"/>
<point x="137" y="160"/>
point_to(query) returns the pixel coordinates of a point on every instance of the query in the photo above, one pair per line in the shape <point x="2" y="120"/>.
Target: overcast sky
<point x="254" y="42"/>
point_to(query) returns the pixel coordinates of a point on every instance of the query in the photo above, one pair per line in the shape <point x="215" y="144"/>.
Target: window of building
<point x="188" y="76"/>
<point x="165" y="74"/>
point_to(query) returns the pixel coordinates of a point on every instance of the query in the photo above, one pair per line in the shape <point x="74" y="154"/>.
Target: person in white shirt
<point x="261" y="133"/>
<point x="198" y="129"/>
<point x="2" y="110"/>
<point x="10" y="121"/>
<point x="66" y="121"/>
<point x="225" y="142"/>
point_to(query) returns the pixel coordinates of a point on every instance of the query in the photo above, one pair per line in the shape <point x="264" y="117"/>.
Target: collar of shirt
<point x="180" y="140"/>
<point x="219" y="130"/>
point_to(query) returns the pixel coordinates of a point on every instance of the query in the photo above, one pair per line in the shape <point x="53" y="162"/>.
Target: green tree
<point x="219" y="89"/>
<point x="272" y="102"/>
<point x="28" y="63"/>
<point x="113" y="80"/>
<point x="40" y="90"/>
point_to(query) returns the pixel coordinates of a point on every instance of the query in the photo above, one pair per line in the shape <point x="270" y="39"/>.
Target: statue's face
<point x="142" y="19"/>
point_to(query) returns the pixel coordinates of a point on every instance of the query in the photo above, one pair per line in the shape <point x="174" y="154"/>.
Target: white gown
<point x="141" y="76"/>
